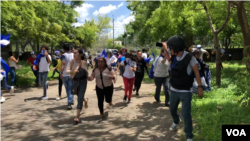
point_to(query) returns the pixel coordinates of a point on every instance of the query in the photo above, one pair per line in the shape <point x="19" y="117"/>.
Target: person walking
<point x="12" y="64"/>
<point x="54" y="63"/>
<point x="43" y="62"/>
<point x="183" y="68"/>
<point x="104" y="76"/>
<point x="30" y="62"/>
<point x="139" y="74"/>
<point x="60" y="83"/>
<point x="128" y="75"/>
<point x="161" y="77"/>
<point x="78" y="67"/>
<point x="67" y="81"/>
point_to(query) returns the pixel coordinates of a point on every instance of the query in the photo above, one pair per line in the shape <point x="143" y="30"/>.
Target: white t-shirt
<point x="67" y="56"/>
<point x="44" y="64"/>
<point x="144" y="55"/>
<point x="128" y="73"/>
<point x="110" y="60"/>
<point x="202" y="52"/>
<point x="161" y="70"/>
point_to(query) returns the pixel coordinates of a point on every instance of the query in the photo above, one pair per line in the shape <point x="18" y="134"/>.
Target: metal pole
<point x="113" y="33"/>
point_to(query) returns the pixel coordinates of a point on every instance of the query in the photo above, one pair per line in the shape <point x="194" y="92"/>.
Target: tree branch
<point x="224" y="24"/>
<point x="234" y="2"/>
<point x="209" y="17"/>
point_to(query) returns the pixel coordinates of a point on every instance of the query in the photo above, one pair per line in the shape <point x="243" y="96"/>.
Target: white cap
<point x="198" y="46"/>
<point x="32" y="52"/>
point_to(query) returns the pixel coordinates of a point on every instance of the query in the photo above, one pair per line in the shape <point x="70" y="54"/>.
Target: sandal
<point x="86" y="103"/>
<point x="76" y="122"/>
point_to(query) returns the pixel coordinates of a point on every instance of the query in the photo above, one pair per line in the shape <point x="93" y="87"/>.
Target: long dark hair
<point x="11" y="54"/>
<point x="81" y="53"/>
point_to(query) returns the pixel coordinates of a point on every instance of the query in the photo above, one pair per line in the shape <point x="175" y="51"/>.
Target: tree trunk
<point x="17" y="47"/>
<point x="37" y="45"/>
<point x="218" y="59"/>
<point x="242" y="17"/>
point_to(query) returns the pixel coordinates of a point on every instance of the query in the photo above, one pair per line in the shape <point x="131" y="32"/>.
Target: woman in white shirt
<point x="128" y="75"/>
<point x="12" y="64"/>
<point x="161" y="77"/>
<point x="110" y="59"/>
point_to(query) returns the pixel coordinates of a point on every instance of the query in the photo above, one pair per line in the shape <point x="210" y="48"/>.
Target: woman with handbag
<point x="104" y="76"/>
<point x="77" y="68"/>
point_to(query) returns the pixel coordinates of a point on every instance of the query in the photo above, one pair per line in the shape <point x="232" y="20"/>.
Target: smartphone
<point x="158" y="44"/>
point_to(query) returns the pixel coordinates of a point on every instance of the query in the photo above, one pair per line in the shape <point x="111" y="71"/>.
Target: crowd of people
<point x="175" y="69"/>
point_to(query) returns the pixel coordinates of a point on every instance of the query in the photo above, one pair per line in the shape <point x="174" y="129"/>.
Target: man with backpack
<point x="183" y="68"/>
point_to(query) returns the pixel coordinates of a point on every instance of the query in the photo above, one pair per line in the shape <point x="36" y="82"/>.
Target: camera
<point x="159" y="44"/>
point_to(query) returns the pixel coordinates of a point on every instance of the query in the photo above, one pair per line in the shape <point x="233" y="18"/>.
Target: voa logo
<point x="236" y="132"/>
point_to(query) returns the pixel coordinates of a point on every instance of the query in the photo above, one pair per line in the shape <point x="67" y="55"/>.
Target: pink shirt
<point x="105" y="77"/>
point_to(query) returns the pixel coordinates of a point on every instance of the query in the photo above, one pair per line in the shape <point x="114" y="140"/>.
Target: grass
<point x="232" y="96"/>
<point x="25" y="76"/>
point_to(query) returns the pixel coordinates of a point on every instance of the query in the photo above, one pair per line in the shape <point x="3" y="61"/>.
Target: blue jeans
<point x="36" y="73"/>
<point x="13" y="76"/>
<point x="185" y="98"/>
<point x="67" y="82"/>
<point x="42" y="81"/>
<point x="161" y="81"/>
<point x="5" y="85"/>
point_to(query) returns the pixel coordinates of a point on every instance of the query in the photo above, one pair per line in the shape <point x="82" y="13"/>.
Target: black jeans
<point x="138" y="80"/>
<point x="60" y="86"/>
<point x="185" y="98"/>
<point x="107" y="93"/>
<point x="161" y="81"/>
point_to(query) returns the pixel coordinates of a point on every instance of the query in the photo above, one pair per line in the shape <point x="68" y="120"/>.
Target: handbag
<point x="82" y="74"/>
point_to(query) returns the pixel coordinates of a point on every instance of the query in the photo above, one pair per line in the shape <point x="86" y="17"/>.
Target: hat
<point x="198" y="46"/>
<point x="134" y="50"/>
<point x="177" y="43"/>
<point x="61" y="50"/>
<point x="32" y="52"/>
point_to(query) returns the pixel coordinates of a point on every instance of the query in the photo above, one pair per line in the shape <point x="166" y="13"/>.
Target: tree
<point x="243" y="21"/>
<point x="216" y="41"/>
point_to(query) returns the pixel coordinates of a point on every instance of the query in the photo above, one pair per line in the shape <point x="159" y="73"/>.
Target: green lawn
<point x="25" y="76"/>
<point x="233" y="96"/>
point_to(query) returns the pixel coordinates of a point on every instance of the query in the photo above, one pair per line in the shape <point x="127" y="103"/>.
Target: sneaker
<point x="69" y="107"/>
<point x="12" y="90"/>
<point x="47" y="84"/>
<point x="2" y="99"/>
<point x="58" y="98"/>
<point x="167" y="104"/>
<point x="129" y="100"/>
<point x="44" y="97"/>
<point x="137" y="94"/>
<point x="125" y="99"/>
<point x="173" y="126"/>
<point x="189" y="139"/>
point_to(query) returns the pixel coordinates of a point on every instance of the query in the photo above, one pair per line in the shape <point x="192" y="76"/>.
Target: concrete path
<point x="24" y="117"/>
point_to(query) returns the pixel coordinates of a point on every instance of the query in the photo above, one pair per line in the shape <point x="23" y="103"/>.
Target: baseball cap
<point x="32" y="52"/>
<point x="198" y="46"/>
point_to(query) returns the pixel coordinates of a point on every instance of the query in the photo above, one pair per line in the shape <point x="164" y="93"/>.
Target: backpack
<point x="151" y="73"/>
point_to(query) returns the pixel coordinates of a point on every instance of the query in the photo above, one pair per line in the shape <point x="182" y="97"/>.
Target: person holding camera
<point x="161" y="76"/>
<point x="183" y="68"/>
<point x="12" y="64"/>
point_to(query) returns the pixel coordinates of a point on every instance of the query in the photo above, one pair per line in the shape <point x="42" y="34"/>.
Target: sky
<point x="118" y="9"/>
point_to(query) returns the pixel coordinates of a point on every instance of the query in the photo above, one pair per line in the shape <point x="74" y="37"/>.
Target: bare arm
<point x="207" y="54"/>
<point x="14" y="59"/>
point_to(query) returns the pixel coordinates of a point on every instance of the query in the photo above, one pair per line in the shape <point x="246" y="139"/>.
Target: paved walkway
<point x="24" y="117"/>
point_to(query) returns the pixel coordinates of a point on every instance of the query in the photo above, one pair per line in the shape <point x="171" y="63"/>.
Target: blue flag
<point x="5" y="40"/>
<point x="147" y="60"/>
<point x="5" y="67"/>
<point x="38" y="58"/>
<point x="104" y="54"/>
